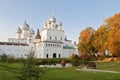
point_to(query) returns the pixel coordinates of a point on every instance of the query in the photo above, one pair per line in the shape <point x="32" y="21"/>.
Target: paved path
<point x="94" y="70"/>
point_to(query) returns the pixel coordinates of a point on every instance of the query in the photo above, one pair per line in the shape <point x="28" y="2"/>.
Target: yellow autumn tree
<point x="113" y="24"/>
<point x="100" y="39"/>
<point x="85" y="41"/>
<point x="105" y="38"/>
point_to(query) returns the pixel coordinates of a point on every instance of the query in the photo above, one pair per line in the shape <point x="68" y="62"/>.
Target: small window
<point x="61" y="38"/>
<point x="59" y="55"/>
<point x="48" y="44"/>
<point x="50" y="37"/>
<point x="55" y="38"/>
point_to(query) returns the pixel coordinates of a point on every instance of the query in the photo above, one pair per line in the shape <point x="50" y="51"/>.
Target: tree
<point x="106" y="37"/>
<point x="30" y="70"/>
<point x="113" y="41"/>
<point x="113" y="24"/>
<point x="100" y="40"/>
<point x="85" y="41"/>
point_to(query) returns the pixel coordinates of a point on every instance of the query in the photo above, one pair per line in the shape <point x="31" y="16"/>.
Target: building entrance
<point x="54" y="55"/>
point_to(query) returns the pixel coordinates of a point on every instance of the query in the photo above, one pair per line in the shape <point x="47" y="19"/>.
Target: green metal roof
<point x="68" y="47"/>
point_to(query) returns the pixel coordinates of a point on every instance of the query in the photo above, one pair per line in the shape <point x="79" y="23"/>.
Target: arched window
<point x="48" y="44"/>
<point x="51" y="45"/>
<point x="55" y="38"/>
<point x="46" y="55"/>
<point x="50" y="37"/>
<point x="54" y="55"/>
<point x="59" y="55"/>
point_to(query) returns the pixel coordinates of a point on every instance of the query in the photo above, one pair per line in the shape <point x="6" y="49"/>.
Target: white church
<point x="50" y="42"/>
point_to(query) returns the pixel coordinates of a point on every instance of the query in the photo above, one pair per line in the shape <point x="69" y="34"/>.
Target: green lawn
<point x="11" y="71"/>
<point x="113" y="66"/>
<point x="72" y="74"/>
<point x="6" y="75"/>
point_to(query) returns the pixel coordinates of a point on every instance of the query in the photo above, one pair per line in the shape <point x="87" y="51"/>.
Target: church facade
<point x="50" y="42"/>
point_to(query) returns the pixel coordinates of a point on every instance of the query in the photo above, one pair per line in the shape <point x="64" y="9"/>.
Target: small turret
<point x="49" y="24"/>
<point x="31" y="35"/>
<point x="45" y="25"/>
<point x="38" y="37"/>
<point x="59" y="26"/>
<point x="19" y="30"/>
<point x="31" y="32"/>
<point x="18" y="33"/>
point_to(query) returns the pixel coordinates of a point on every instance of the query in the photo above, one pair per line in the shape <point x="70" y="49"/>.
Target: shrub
<point x="85" y="57"/>
<point x="52" y="61"/>
<point x="3" y="58"/>
<point x="75" y="56"/>
<point x="10" y="59"/>
<point x="91" y="65"/>
<point x="75" y="60"/>
<point x="30" y="70"/>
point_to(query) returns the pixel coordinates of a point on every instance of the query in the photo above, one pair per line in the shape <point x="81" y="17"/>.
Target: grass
<point x="6" y="75"/>
<point x="113" y="66"/>
<point x="72" y="74"/>
<point x="11" y="71"/>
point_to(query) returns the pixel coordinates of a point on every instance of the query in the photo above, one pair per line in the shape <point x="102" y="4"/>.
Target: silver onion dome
<point x="18" y="30"/>
<point x="24" y="26"/>
<point x="32" y="32"/>
<point x="59" y="24"/>
<point x="52" y="19"/>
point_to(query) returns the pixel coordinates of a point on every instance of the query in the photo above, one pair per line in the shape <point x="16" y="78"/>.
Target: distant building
<point x="50" y="42"/>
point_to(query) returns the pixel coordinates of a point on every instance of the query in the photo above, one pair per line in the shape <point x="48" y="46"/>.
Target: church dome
<point x="48" y="22"/>
<point x="38" y="35"/>
<point x="59" y="24"/>
<point x="18" y="30"/>
<point x="45" y="24"/>
<point x="24" y="26"/>
<point x="52" y="19"/>
<point x="32" y="32"/>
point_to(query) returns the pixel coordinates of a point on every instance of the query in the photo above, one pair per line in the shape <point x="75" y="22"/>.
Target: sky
<point x="75" y="15"/>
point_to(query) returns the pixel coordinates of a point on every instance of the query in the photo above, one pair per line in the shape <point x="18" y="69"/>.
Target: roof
<point x="68" y="47"/>
<point x="67" y="39"/>
<point x="13" y="43"/>
<point x="38" y="35"/>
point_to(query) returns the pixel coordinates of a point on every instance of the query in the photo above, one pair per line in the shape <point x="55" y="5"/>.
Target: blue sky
<point x="75" y="15"/>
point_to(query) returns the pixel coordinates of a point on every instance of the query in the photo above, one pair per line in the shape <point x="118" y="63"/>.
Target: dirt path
<point x="94" y="70"/>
